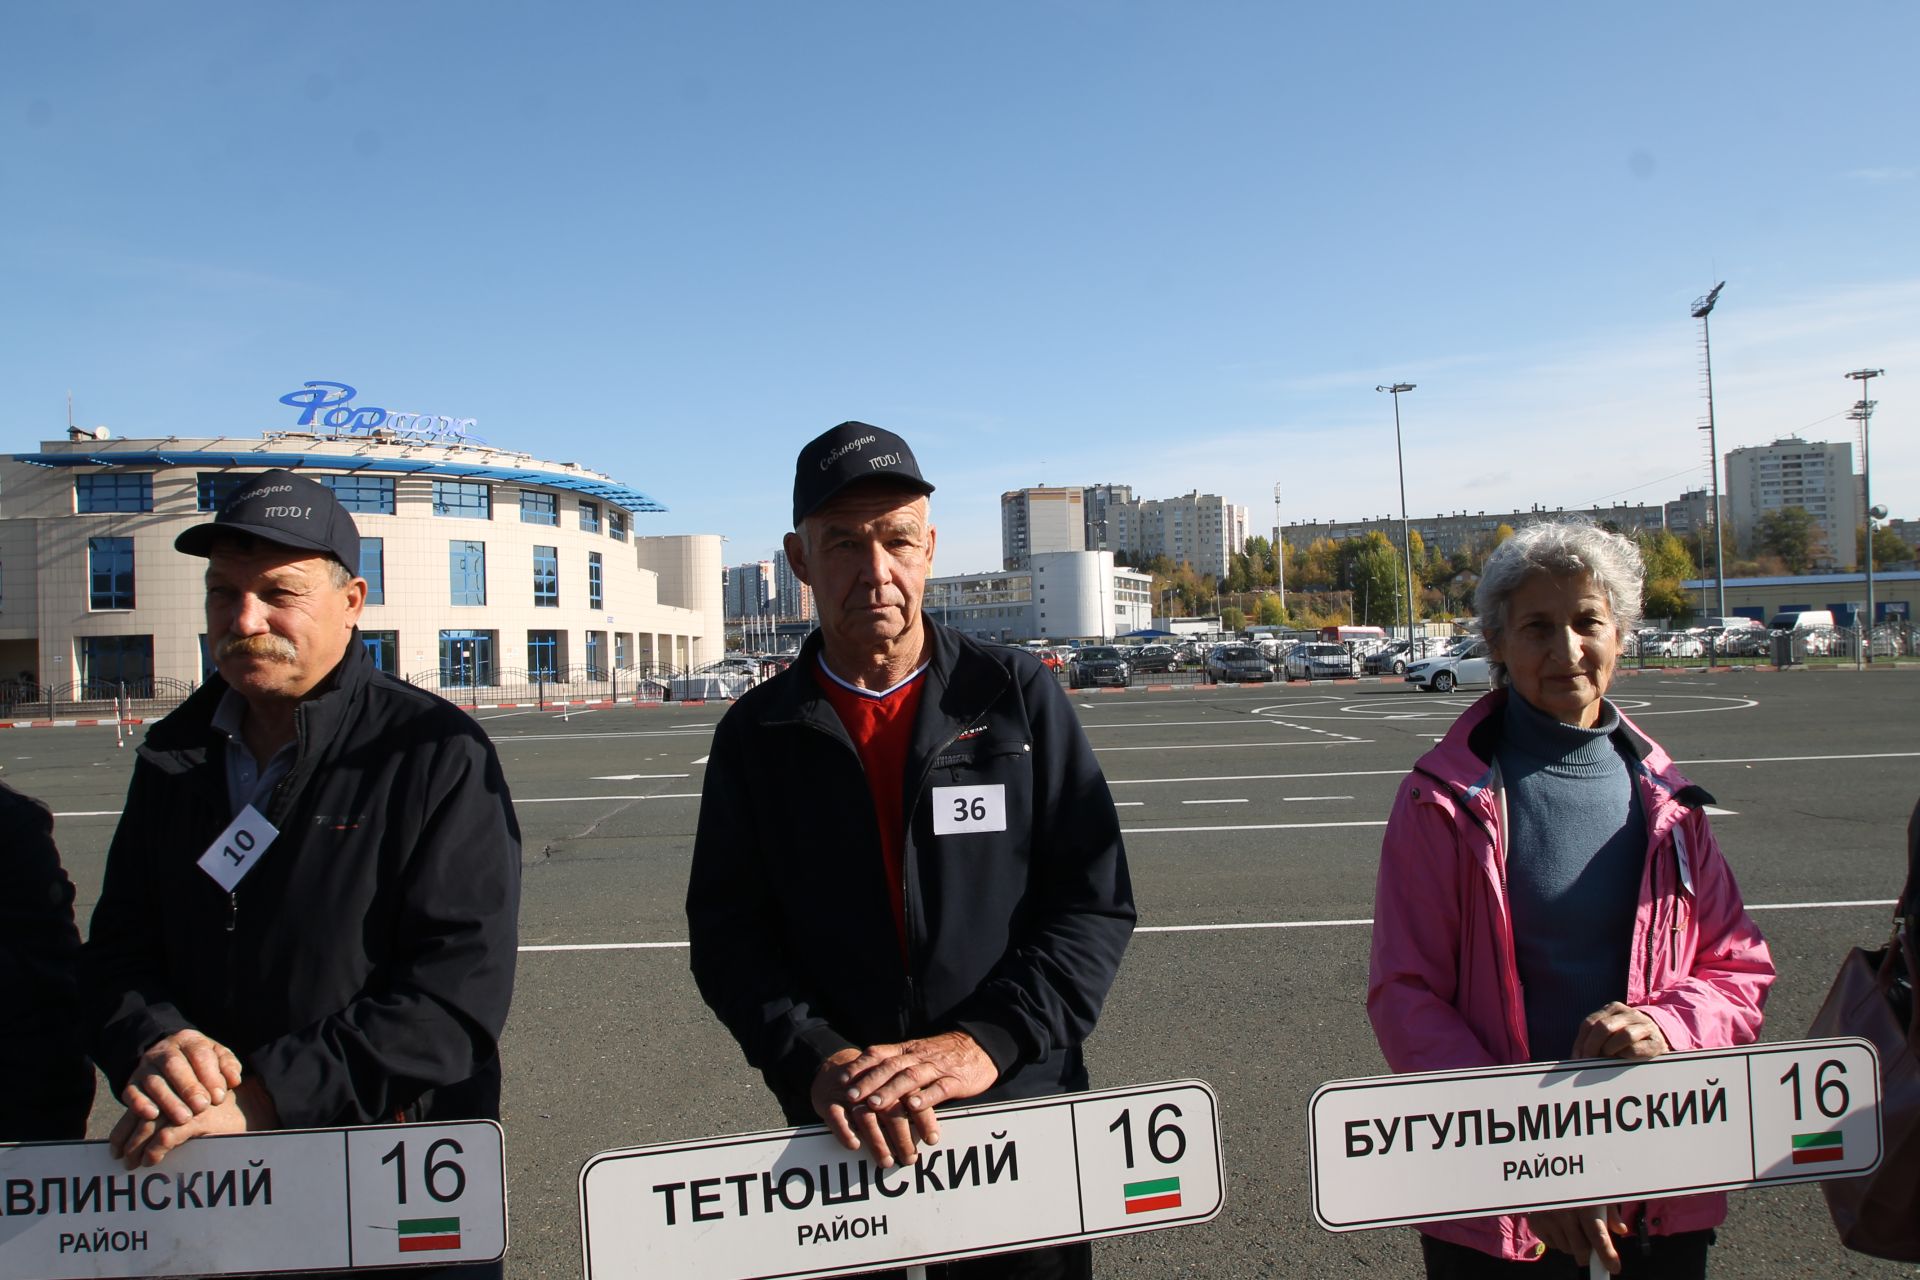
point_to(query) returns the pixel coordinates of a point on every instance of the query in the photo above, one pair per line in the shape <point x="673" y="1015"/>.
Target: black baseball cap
<point x="851" y="452"/>
<point x="282" y="508"/>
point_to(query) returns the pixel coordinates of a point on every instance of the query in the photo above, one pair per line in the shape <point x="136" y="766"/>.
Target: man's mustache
<point x="269" y="646"/>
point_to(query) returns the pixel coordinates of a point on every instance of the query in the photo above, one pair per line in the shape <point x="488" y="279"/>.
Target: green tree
<point x="1668" y="564"/>
<point x="1268" y="612"/>
<point x="1232" y="620"/>
<point x="1790" y="533"/>
<point x="1888" y="548"/>
<point x="1371" y="570"/>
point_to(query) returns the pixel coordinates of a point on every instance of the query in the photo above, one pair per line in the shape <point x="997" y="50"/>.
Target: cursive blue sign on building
<point x="329" y="405"/>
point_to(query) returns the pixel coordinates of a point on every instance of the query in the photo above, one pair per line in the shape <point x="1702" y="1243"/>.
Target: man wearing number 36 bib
<point x="908" y="883"/>
<point x="309" y="915"/>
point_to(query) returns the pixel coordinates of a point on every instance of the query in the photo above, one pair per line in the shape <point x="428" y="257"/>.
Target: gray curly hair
<point x="1561" y="548"/>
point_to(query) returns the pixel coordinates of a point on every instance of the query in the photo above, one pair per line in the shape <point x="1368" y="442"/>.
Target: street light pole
<point x="1702" y="308"/>
<point x="1279" y="551"/>
<point x="1406" y="530"/>
<point x="1863" y="414"/>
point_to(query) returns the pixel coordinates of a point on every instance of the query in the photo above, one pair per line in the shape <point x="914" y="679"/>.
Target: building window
<point x="589" y="517"/>
<point x="373" y="567"/>
<point x="110" y="569"/>
<point x="546" y="577"/>
<point x="620" y="650"/>
<point x="594" y="593"/>
<point x="384" y="648"/>
<point x="467" y="571"/>
<point x="462" y="498"/>
<point x="371" y="494"/>
<point x="466" y="657"/>
<point x="213" y="488"/>
<point x="616" y="524"/>
<point x="108" y="662"/>
<point x="113" y="491"/>
<point x="539" y="508"/>
<point x="543" y="655"/>
<point x="596" y="650"/>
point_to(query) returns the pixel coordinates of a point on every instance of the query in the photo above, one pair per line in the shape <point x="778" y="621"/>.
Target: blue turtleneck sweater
<point x="1577" y="842"/>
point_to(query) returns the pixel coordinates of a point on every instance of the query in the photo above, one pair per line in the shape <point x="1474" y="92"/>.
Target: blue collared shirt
<point x="247" y="782"/>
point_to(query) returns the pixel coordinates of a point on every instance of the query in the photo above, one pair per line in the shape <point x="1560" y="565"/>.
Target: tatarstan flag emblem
<point x="1145" y="1197"/>
<point x="426" y="1235"/>
<point x="1818" y="1148"/>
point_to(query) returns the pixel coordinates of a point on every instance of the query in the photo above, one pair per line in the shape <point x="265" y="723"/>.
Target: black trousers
<point x="1064" y="1262"/>
<point x="1679" y="1257"/>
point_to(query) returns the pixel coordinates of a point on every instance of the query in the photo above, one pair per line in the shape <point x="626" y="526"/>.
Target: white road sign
<point x="257" y="1203"/>
<point x="1426" y="1147"/>
<point x="794" y="1202"/>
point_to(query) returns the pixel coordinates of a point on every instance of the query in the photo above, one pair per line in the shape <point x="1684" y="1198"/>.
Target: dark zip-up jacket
<point x="46" y="1085"/>
<point x="363" y="968"/>
<point x="1013" y="936"/>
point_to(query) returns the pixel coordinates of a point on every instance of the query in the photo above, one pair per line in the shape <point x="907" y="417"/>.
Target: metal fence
<point x="466" y="687"/>
<point x="98" y="699"/>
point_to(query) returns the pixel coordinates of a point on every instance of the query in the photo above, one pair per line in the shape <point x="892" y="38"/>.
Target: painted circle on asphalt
<point x="1449" y="706"/>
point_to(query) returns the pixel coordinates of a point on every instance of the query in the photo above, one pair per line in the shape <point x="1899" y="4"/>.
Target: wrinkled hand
<point x="136" y="1141"/>
<point x="1583" y="1232"/>
<point x="884" y="1098"/>
<point x="180" y="1076"/>
<point x="1619" y="1031"/>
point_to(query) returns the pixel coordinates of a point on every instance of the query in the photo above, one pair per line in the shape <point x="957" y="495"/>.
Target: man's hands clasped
<point x="185" y="1085"/>
<point x="883" y="1099"/>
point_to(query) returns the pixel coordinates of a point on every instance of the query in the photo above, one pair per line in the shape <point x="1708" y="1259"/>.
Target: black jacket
<point x="1013" y="936"/>
<point x="46" y="1086"/>
<point x="362" y="969"/>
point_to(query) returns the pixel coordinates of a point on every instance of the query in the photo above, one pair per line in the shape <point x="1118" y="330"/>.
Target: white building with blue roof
<point x="485" y="566"/>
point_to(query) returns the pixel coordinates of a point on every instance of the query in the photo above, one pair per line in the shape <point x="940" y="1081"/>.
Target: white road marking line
<point x="88" y="813"/>
<point x="1128" y="804"/>
<point x="564" y="715"/>
<point x="1716" y="811"/>
<point x="1196" y="928"/>
<point x="1244" y="746"/>
<point x="1263" y="826"/>
<point x="1215" y="722"/>
<point x="1213" y="802"/>
<point x="634" y="777"/>
<point x="703" y="759"/>
<point x="676" y="795"/>
<point x="1298" y="799"/>
<point x="1258" y="777"/>
<point x="504" y="715"/>
<point x="587" y="737"/>
<point x="1870" y="755"/>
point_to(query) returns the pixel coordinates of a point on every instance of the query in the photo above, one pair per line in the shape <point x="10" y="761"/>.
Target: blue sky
<point x="1171" y="245"/>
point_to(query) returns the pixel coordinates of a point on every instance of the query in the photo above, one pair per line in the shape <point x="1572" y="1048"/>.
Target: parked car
<point x="1154" y="657"/>
<point x="1098" y="664"/>
<point x="1465" y="663"/>
<point x="1391" y="659"/>
<point x="1238" y="662"/>
<point x="1326" y="661"/>
<point x="1673" y="644"/>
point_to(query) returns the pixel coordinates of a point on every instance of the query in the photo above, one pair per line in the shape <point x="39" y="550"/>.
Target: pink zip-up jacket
<point x="1444" y="991"/>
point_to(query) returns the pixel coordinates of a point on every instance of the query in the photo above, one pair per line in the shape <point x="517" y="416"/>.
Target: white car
<point x="1332" y="661"/>
<point x="1463" y="664"/>
<point x="1673" y="644"/>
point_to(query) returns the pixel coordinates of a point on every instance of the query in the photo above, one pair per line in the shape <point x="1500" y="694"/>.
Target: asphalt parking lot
<point x="1253" y="820"/>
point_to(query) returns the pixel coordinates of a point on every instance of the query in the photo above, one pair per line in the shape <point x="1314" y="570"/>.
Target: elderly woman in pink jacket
<point x="1549" y="889"/>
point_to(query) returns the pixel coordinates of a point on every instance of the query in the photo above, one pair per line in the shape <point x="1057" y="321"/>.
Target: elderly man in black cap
<point x="356" y="965"/>
<point x="908" y="883"/>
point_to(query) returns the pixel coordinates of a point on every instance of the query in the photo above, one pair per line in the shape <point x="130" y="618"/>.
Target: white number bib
<point x="234" y="851"/>
<point x="959" y="811"/>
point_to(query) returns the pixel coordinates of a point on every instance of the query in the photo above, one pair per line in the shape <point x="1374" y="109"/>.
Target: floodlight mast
<point x="1406" y="532"/>
<point x="1863" y="414"/>
<point x="1702" y="308"/>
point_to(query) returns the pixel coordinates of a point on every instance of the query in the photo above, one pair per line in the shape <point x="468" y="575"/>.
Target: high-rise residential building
<point x="750" y="590"/>
<point x="1107" y="509"/>
<point x="1202" y="529"/>
<point x="1792" y="472"/>
<point x="1044" y="519"/>
<point x="793" y="599"/>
